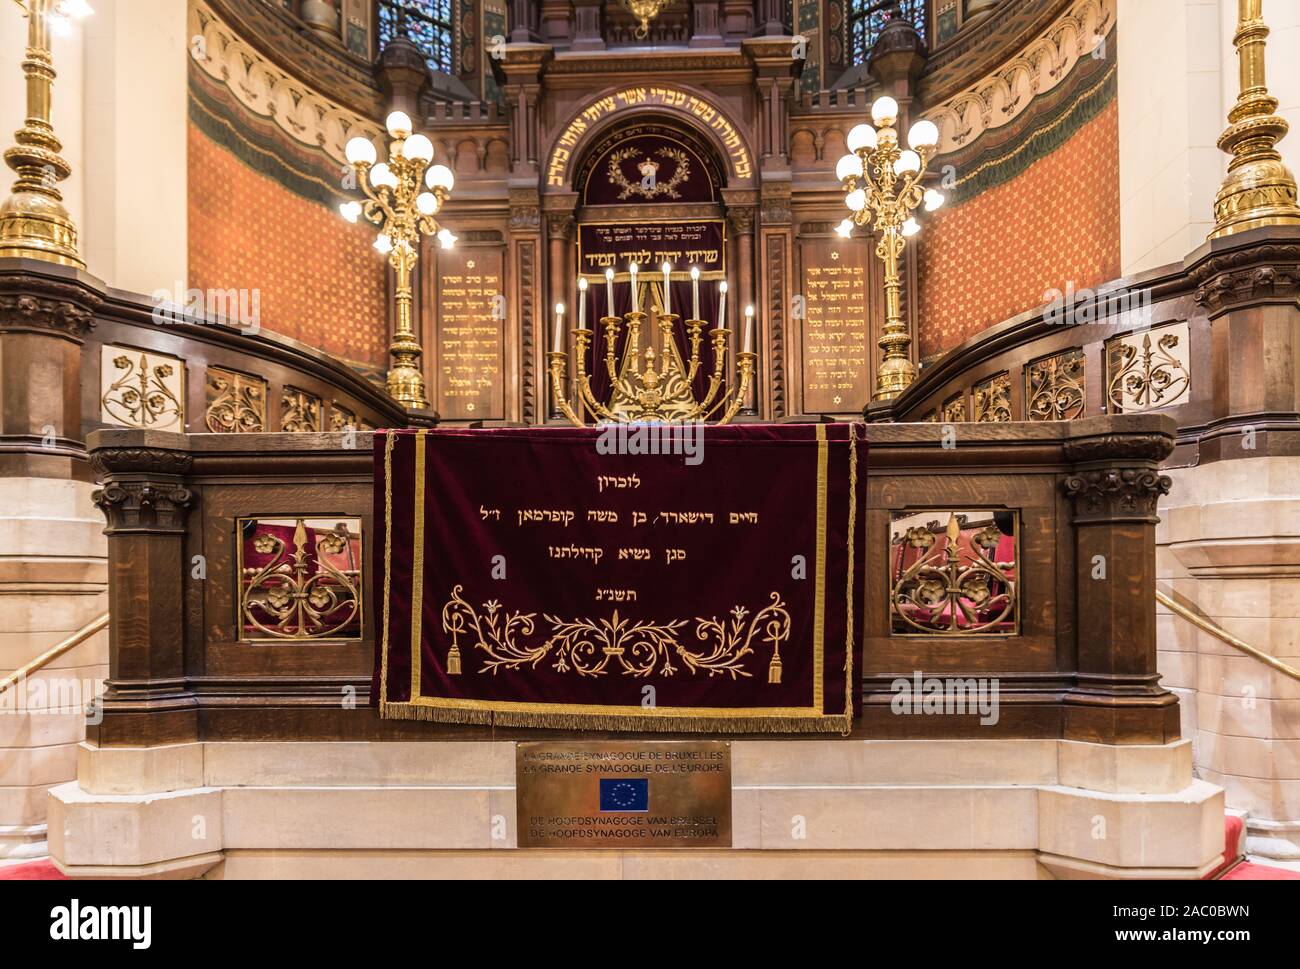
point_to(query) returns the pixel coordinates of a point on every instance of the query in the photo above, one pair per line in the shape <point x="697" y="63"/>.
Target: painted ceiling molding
<point x="1001" y="97"/>
<point x="305" y="115"/>
<point x="981" y="45"/>
<point x="335" y="71"/>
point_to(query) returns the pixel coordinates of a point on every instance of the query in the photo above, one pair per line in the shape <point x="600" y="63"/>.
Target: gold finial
<point x="33" y="220"/>
<point x="1259" y="190"/>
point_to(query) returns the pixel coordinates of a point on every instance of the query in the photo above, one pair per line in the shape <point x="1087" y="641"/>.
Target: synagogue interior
<point x="650" y="439"/>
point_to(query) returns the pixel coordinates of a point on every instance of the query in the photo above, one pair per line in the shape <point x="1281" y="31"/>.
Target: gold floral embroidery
<point x="594" y="647"/>
<point x="649" y="188"/>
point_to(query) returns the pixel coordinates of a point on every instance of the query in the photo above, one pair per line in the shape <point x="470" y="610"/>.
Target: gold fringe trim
<point x="600" y="721"/>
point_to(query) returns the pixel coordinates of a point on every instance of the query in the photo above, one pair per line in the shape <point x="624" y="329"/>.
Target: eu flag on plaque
<point x="625" y="794"/>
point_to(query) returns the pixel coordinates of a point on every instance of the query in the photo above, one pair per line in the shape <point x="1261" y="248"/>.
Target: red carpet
<point x="35" y="871"/>
<point x="1248" y="871"/>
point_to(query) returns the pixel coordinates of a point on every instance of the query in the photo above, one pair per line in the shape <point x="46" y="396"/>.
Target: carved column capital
<point x="1117" y="494"/>
<point x="741" y="221"/>
<point x="39" y="304"/>
<point x="525" y="210"/>
<point x="144" y="506"/>
<point x="560" y="225"/>
<point x="1117" y="476"/>
<point x="144" y="484"/>
<point x="1249" y="276"/>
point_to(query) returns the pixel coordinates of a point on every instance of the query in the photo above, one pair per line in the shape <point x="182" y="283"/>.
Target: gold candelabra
<point x="644" y="11"/>
<point x="1259" y="189"/>
<point x="397" y="201"/>
<point x="883" y="186"/>
<point x="33" y="220"/>
<point x="648" y="385"/>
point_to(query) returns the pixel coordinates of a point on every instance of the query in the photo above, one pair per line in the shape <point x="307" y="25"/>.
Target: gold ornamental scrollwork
<point x="301" y="594"/>
<point x="1055" y="389"/>
<point x="299" y="411"/>
<point x="236" y="402"/>
<point x="1152" y="376"/>
<point x="993" y="400"/>
<point x="140" y="396"/>
<point x="955" y="590"/>
<point x="598" y="646"/>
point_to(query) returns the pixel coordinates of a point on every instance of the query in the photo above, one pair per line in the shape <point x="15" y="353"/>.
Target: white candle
<point x="559" y="327"/>
<point x="582" y="302"/>
<point x="635" y="302"/>
<point x="722" y="306"/>
<point x="749" y="329"/>
<point x="695" y="292"/>
<point x="609" y="292"/>
<point x="668" y="285"/>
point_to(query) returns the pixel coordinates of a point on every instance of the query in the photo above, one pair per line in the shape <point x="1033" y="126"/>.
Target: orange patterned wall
<point x="996" y="254"/>
<point x="320" y="280"/>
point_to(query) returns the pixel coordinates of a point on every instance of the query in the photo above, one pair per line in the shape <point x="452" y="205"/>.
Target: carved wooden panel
<point x="1148" y="369"/>
<point x="236" y="402"/>
<point x="299" y="411"/>
<point x="1055" y="388"/>
<point x="341" y="418"/>
<point x="141" y="389"/>
<point x="992" y="399"/>
<point x="954" y="409"/>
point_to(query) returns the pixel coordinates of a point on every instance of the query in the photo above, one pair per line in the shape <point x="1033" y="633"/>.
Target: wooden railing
<point x="192" y="519"/>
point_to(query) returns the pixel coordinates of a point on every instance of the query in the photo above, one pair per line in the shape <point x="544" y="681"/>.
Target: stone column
<point x="706" y="24"/>
<point x="742" y="223"/>
<point x="559" y="232"/>
<point x="588" y="24"/>
<point x="52" y="573"/>
<point x="1114" y="488"/>
<point x="771" y="18"/>
<point x="402" y="74"/>
<point x="145" y="500"/>
<point x="523" y="22"/>
<point x="1227" y="549"/>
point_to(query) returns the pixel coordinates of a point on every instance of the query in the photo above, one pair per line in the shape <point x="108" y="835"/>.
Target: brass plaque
<point x="624" y="794"/>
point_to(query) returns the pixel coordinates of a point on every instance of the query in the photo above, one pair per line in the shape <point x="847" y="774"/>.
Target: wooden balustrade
<point x="1064" y="511"/>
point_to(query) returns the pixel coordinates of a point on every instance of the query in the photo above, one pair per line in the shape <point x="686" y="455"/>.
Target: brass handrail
<point x="1218" y="632"/>
<point x="50" y="655"/>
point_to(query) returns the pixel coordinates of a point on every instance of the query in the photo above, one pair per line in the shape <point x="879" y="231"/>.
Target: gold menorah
<point x="649" y="385"/>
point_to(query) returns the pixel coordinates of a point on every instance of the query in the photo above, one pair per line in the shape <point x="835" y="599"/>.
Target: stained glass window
<point x="426" y="22"/>
<point x="867" y="18"/>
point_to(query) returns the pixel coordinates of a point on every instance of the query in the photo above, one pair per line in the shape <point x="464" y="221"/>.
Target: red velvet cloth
<point x="784" y="475"/>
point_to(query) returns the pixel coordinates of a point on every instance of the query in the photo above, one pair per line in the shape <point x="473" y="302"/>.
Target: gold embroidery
<point x="848" y="594"/>
<point x="819" y="593"/>
<point x="648" y="169"/>
<point x="593" y="647"/>
<point x="565" y="716"/>
<point x="389" y="439"/>
<point x="417" y="564"/>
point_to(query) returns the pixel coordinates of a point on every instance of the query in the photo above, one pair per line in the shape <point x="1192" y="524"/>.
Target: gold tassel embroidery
<point x="453" y="661"/>
<point x="774" y="669"/>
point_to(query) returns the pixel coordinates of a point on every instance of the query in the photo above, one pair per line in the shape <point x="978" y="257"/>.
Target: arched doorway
<point x="651" y="192"/>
